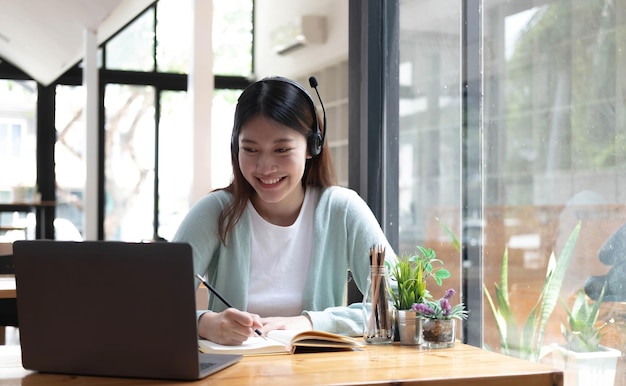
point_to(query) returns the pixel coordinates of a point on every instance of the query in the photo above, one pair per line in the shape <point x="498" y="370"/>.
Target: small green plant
<point x="527" y="342"/>
<point x="410" y="274"/>
<point x="581" y="331"/>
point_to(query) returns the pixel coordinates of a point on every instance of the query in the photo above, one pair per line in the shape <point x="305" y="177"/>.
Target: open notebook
<point x="285" y="342"/>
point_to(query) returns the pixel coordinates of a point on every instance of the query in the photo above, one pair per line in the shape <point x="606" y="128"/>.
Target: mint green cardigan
<point x="344" y="230"/>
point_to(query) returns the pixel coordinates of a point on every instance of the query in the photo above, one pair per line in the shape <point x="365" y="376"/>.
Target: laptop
<point x="109" y="308"/>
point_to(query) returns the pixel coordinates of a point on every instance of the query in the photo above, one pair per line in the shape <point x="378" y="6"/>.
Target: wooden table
<point x="7" y="287"/>
<point x="380" y="365"/>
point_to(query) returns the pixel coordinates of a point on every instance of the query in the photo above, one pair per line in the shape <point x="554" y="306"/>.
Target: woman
<point x="279" y="240"/>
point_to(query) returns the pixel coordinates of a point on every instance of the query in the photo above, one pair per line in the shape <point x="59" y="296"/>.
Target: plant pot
<point x="586" y="368"/>
<point x="439" y="333"/>
<point x="409" y="327"/>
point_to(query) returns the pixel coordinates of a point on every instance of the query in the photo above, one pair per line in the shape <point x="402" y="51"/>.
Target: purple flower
<point x="445" y="306"/>
<point x="422" y="308"/>
<point x="441" y="309"/>
<point x="449" y="293"/>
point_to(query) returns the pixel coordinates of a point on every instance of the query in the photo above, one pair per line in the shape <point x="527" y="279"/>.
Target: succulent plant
<point x="582" y="330"/>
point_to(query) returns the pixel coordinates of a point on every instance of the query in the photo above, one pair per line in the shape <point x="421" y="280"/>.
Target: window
<point x="69" y="153"/>
<point x="17" y="136"/>
<point x="530" y="115"/>
<point x="132" y="49"/>
<point x="175" y="167"/>
<point x="224" y="102"/>
<point x="232" y="37"/>
<point x="11" y="139"/>
<point x="129" y="161"/>
<point x="430" y="134"/>
<point x="146" y="175"/>
<point x="172" y="36"/>
<point x="554" y="150"/>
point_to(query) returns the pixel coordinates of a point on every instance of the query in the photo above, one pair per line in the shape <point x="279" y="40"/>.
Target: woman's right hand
<point x="230" y="327"/>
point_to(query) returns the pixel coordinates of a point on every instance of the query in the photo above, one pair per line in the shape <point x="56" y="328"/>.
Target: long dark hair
<point x="287" y="104"/>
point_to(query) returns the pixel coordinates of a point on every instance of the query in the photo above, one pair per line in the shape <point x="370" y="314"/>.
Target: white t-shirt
<point x="279" y="261"/>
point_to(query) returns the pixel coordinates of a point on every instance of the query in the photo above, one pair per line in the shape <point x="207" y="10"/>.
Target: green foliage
<point x="527" y="342"/>
<point x="456" y="244"/>
<point x="581" y="332"/>
<point x="588" y="78"/>
<point x="410" y="274"/>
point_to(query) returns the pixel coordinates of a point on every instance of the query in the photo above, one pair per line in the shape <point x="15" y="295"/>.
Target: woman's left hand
<point x="301" y="322"/>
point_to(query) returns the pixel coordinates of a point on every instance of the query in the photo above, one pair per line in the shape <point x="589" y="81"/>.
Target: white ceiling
<point x="44" y="38"/>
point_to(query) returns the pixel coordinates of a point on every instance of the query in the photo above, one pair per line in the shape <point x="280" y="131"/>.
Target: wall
<point x="328" y="62"/>
<point x="270" y="14"/>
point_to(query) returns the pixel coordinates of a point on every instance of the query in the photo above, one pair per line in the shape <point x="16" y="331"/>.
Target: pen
<point x="214" y="291"/>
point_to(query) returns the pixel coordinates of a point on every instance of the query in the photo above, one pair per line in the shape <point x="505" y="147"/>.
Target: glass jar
<point x="377" y="308"/>
<point x="439" y="333"/>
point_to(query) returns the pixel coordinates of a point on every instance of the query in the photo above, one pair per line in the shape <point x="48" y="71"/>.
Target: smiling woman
<point x="281" y="228"/>
<point x="281" y="108"/>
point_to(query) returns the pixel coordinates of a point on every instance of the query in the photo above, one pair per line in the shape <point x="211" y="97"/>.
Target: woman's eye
<point x="282" y="150"/>
<point x="249" y="150"/>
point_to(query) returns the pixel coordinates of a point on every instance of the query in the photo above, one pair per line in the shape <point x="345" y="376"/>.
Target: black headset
<point x="315" y="140"/>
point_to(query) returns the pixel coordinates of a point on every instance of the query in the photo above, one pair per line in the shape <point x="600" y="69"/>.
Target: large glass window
<point x="175" y="165"/>
<point x="173" y="43"/>
<point x="552" y="148"/>
<point x="232" y="37"/>
<point x="18" y="162"/>
<point x="147" y="178"/>
<point x="430" y="121"/>
<point x="223" y="111"/>
<point x="554" y="157"/>
<point x="70" y="162"/>
<point x="133" y="48"/>
<point x="17" y="135"/>
<point x="129" y="162"/>
<point x="146" y="182"/>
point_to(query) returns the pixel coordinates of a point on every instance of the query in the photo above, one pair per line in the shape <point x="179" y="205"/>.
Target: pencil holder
<point x="377" y="308"/>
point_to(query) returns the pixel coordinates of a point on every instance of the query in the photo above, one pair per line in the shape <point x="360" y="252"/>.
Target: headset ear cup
<point x="314" y="144"/>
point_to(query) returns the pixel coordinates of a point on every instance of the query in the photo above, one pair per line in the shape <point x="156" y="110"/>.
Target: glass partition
<point x="552" y="155"/>
<point x="554" y="133"/>
<point x="430" y="137"/>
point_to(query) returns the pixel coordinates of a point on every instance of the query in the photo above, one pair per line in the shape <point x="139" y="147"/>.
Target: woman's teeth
<point x="270" y="182"/>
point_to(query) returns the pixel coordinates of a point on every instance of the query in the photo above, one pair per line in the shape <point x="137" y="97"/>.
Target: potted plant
<point x="527" y="341"/>
<point x="409" y="287"/>
<point x="440" y="320"/>
<point x="583" y="360"/>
